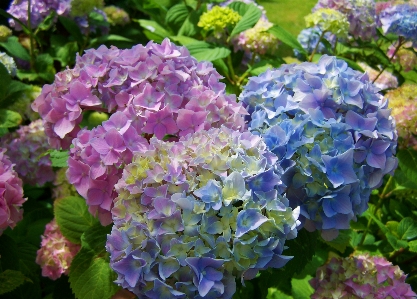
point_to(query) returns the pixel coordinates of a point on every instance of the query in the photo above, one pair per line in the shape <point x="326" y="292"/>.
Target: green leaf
<point x="5" y="80"/>
<point x="112" y="38"/>
<point x="95" y="238"/>
<point x="221" y="67"/>
<point x="14" y="48"/>
<point x="185" y="40"/>
<point x="407" y="160"/>
<point x="9" y="119"/>
<point x="395" y="242"/>
<point x="10" y="280"/>
<point x="72" y="27"/>
<point x="286" y="37"/>
<point x="274" y="293"/>
<point x="154" y="27"/>
<point x="301" y="288"/>
<point x="239" y="7"/>
<point x="177" y="14"/>
<point x="407" y="229"/>
<point x="189" y="27"/>
<point x="341" y="242"/>
<point x="91" y="277"/>
<point x="402" y="180"/>
<point x="44" y="65"/>
<point x="66" y="53"/>
<point x="200" y="52"/>
<point x="48" y="22"/>
<point x="73" y="218"/>
<point x="58" y="158"/>
<point x="248" y="20"/>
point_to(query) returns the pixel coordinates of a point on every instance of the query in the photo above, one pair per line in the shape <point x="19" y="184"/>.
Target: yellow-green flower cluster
<point x="403" y="102"/>
<point x="217" y="19"/>
<point x="5" y="32"/>
<point x="22" y="104"/>
<point x="84" y="7"/>
<point x="116" y="15"/>
<point x="329" y="20"/>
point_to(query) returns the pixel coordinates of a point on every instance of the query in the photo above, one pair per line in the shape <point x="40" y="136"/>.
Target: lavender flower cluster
<point x="332" y="133"/>
<point x="193" y="215"/>
<point x="153" y="90"/>
<point x="361" y="15"/>
<point x="39" y="10"/>
<point x="400" y="20"/>
<point x="26" y="147"/>
<point x="361" y="276"/>
<point x="56" y="253"/>
<point x="11" y="194"/>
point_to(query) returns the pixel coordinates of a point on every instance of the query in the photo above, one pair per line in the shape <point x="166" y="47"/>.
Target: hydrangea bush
<point x="56" y="252"/>
<point x="360" y="276"/>
<point x="11" y="194"/>
<point x="154" y="90"/>
<point x="333" y="135"/>
<point x="192" y="216"/>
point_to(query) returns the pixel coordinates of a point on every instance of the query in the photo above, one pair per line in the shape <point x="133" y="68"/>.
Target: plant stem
<point x="232" y="71"/>
<point x="400" y="43"/>
<point x="382" y="196"/>
<point x="317" y="46"/>
<point x="32" y="45"/>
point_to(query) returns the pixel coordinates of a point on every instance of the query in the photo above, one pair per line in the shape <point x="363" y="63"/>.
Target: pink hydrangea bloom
<point x="11" y="194"/>
<point x="153" y="90"/>
<point x="56" y="252"/>
<point x="25" y="148"/>
<point x="404" y="56"/>
<point x="361" y="276"/>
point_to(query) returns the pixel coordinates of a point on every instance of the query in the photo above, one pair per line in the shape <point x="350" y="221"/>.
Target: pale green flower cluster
<point x="217" y="19"/>
<point x="8" y="63"/>
<point x="258" y="39"/>
<point x="329" y="20"/>
<point x="116" y="15"/>
<point x="26" y="98"/>
<point x="84" y="7"/>
<point x="5" y="32"/>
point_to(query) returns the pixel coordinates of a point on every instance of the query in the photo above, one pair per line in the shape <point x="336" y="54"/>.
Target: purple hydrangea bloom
<point x="360" y="276"/>
<point x="361" y="15"/>
<point x="400" y="20"/>
<point x="11" y="194"/>
<point x="25" y="148"/>
<point x="332" y="133"/>
<point x="153" y="90"/>
<point x="192" y="216"/>
<point x="40" y="9"/>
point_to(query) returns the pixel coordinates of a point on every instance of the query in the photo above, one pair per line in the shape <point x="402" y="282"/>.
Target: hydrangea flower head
<point x="8" y="63"/>
<point x="400" y="20"/>
<point x="25" y="148"/>
<point x="386" y="80"/>
<point x="257" y="40"/>
<point x="56" y="252"/>
<point x="11" y="194"/>
<point x="360" y="276"/>
<point x="227" y="2"/>
<point x="361" y="15"/>
<point x="403" y="102"/>
<point x="405" y="56"/>
<point x="309" y="38"/>
<point x="153" y="90"/>
<point x="23" y="103"/>
<point x="116" y="15"/>
<point x="218" y="19"/>
<point x="40" y="9"/>
<point x="5" y="32"/>
<point x="193" y="215"/>
<point x="329" y="20"/>
<point x="332" y="133"/>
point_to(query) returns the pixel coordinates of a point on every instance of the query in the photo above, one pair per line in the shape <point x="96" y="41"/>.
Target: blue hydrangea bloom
<point x="332" y="133"/>
<point x="308" y="39"/>
<point x="400" y="20"/>
<point x="191" y="238"/>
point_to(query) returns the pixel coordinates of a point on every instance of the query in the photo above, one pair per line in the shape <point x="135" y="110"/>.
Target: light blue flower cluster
<point x="332" y="133"/>
<point x="194" y="215"/>
<point x="400" y="20"/>
<point x="309" y="37"/>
